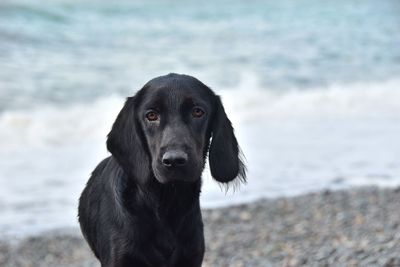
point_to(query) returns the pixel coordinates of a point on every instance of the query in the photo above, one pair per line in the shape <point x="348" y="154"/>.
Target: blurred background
<point x="313" y="90"/>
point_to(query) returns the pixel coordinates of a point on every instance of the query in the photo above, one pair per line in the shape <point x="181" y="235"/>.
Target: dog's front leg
<point x="153" y="259"/>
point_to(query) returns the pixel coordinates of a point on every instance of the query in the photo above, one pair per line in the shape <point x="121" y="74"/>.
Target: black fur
<point x="141" y="205"/>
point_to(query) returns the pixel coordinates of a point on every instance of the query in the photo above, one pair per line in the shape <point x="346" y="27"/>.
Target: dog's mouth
<point x="168" y="174"/>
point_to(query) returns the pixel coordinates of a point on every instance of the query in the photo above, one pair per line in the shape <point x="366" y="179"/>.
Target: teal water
<point x="74" y="51"/>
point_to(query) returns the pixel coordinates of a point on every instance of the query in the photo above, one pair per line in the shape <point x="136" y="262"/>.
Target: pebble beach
<point x="358" y="227"/>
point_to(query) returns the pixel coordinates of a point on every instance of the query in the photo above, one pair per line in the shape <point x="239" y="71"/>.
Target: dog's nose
<point x="174" y="158"/>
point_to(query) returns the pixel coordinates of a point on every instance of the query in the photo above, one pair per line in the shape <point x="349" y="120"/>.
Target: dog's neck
<point x="176" y="194"/>
<point x="170" y="198"/>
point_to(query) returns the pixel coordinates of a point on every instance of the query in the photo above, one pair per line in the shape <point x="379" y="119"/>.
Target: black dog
<point x="141" y="205"/>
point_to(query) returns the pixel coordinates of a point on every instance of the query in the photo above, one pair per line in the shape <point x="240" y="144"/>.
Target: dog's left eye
<point x="197" y="112"/>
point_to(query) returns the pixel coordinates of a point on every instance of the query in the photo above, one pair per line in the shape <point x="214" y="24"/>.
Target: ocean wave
<point x="54" y="126"/>
<point x="76" y="123"/>
<point x="358" y="100"/>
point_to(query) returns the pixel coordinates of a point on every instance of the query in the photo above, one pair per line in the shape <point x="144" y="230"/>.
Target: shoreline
<point x="354" y="227"/>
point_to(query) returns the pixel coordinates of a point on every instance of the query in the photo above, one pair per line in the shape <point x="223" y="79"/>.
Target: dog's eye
<point x="152" y="116"/>
<point x="197" y="112"/>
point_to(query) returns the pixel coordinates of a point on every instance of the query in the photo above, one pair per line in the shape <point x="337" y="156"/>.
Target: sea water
<point x="312" y="89"/>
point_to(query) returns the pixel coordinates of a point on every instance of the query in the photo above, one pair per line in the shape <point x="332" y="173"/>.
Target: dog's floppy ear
<point x="224" y="156"/>
<point x="126" y="144"/>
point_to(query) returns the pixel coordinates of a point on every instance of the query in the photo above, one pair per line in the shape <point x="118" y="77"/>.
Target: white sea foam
<point x="359" y="100"/>
<point x="294" y="142"/>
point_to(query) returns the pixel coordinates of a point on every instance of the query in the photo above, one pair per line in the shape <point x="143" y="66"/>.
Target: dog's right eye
<point x="152" y="116"/>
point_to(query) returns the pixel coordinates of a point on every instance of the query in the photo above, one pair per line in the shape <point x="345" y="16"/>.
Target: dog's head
<point x="165" y="131"/>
